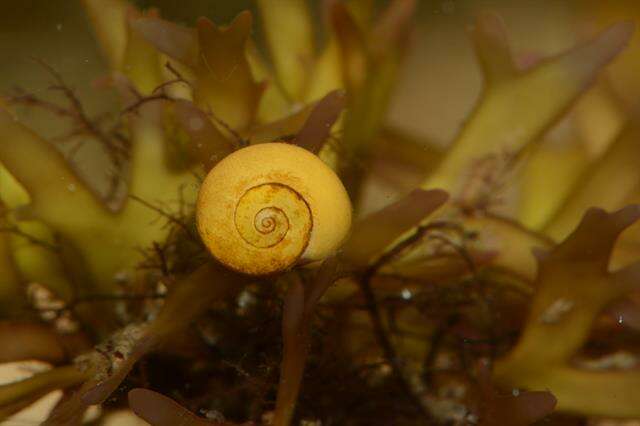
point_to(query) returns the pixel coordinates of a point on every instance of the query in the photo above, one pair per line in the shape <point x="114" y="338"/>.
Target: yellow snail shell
<point x="270" y="206"/>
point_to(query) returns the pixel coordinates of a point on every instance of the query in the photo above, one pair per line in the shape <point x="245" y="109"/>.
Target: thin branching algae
<point x="231" y="239"/>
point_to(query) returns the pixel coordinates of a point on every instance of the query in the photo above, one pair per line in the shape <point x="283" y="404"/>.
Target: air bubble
<point x="406" y="294"/>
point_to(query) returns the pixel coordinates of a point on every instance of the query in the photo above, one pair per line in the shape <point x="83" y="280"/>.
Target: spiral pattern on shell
<point x="267" y="207"/>
<point x="262" y="218"/>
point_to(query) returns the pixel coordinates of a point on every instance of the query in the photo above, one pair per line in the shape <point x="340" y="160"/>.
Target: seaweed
<point x="434" y="309"/>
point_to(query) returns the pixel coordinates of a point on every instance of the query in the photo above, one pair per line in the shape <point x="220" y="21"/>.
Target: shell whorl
<point x="267" y="207"/>
<point x="262" y="217"/>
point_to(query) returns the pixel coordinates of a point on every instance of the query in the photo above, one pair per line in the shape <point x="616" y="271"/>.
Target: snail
<point x="268" y="207"/>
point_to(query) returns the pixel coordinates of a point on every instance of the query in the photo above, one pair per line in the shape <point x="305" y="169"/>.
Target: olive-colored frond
<point x="376" y="232"/>
<point x="55" y="190"/>
<point x="370" y="62"/>
<point x="108" y="18"/>
<point x="517" y="108"/>
<point x="141" y="61"/>
<point x="12" y="294"/>
<point x="563" y="158"/>
<point x="573" y="286"/>
<point x="17" y="395"/>
<point x="290" y="36"/>
<point x="158" y="410"/>
<point x="606" y="184"/>
<point x="224" y="84"/>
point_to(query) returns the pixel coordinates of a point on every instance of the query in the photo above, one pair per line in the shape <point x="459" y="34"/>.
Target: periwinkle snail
<point x="268" y="207"/>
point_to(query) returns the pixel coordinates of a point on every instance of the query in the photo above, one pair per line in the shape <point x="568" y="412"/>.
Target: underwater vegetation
<point x="226" y="268"/>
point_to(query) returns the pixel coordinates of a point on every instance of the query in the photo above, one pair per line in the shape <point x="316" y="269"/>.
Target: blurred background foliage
<point x="441" y="79"/>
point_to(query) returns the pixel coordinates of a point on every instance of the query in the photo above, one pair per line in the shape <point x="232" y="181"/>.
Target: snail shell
<point x="270" y="206"/>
